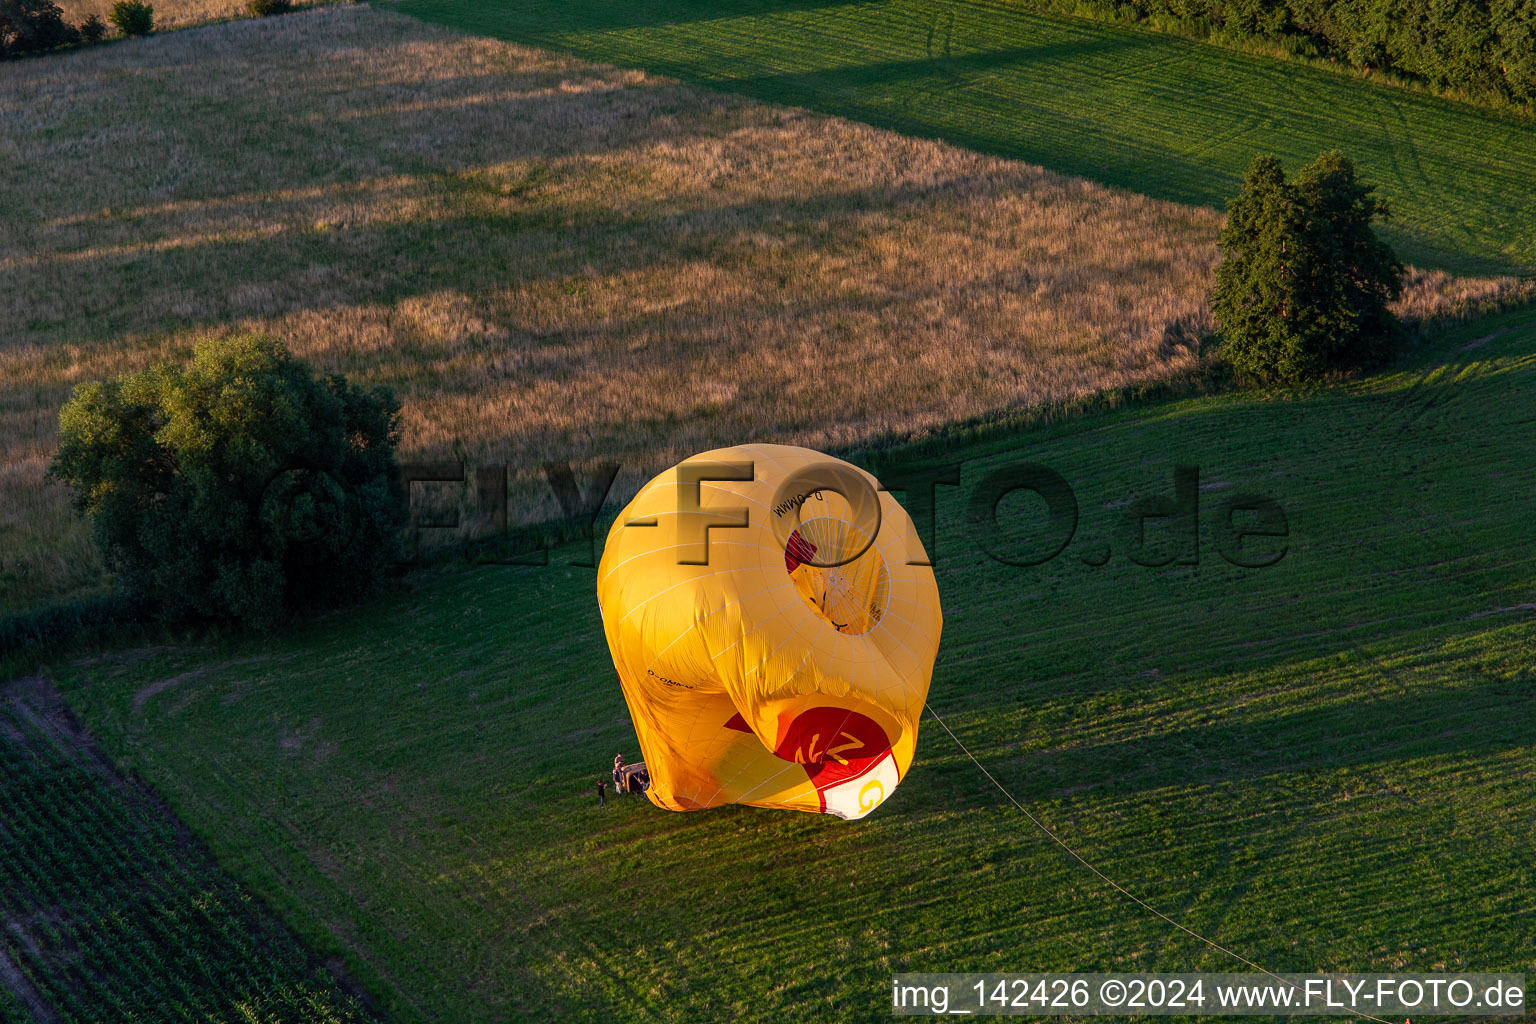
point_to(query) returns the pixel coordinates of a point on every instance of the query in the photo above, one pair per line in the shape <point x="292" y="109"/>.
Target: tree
<point x="31" y="26"/>
<point x="132" y="17"/>
<point x="240" y="487"/>
<point x="1304" y="284"/>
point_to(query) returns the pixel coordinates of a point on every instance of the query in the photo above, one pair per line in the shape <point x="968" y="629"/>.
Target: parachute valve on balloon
<point x="774" y="622"/>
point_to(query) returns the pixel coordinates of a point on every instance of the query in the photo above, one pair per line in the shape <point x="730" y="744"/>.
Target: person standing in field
<point x="601" y="787"/>
<point x="618" y="771"/>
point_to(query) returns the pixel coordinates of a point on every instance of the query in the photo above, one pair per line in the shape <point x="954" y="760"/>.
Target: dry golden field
<point x="168" y="13"/>
<point x="546" y="258"/>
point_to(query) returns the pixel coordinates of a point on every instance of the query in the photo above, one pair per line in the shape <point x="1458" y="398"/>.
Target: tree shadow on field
<point x="1488" y="717"/>
<point x="541" y="113"/>
<point x="149" y="245"/>
<point x="132" y="288"/>
<point x="1432" y="703"/>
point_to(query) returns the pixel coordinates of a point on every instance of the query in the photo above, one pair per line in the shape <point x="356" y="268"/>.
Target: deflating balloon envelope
<point x="774" y="623"/>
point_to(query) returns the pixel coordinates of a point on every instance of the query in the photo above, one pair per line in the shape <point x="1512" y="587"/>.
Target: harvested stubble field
<point x="547" y="258"/>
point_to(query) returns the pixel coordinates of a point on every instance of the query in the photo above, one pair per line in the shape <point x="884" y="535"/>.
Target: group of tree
<point x="1304" y="286"/>
<point x="1478" y="46"/>
<point x="35" y="26"/>
<point x="241" y="487"/>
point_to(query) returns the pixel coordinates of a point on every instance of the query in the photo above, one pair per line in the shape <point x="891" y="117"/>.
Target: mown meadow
<point x="1325" y="763"/>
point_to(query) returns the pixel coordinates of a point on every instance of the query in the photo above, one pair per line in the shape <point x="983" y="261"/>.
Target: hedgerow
<point x="1482" y="47"/>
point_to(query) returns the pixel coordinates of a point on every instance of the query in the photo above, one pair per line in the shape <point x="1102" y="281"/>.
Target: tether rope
<point x="1122" y="890"/>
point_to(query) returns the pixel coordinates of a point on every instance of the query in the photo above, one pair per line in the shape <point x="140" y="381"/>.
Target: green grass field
<point x="1323" y="764"/>
<point x="1126" y="106"/>
<point x="110" y="911"/>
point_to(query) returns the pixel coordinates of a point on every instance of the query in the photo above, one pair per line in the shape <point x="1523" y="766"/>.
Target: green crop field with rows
<point x="113" y="912"/>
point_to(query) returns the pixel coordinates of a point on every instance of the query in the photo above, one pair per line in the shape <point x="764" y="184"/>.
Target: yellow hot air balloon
<point x="774" y="623"/>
